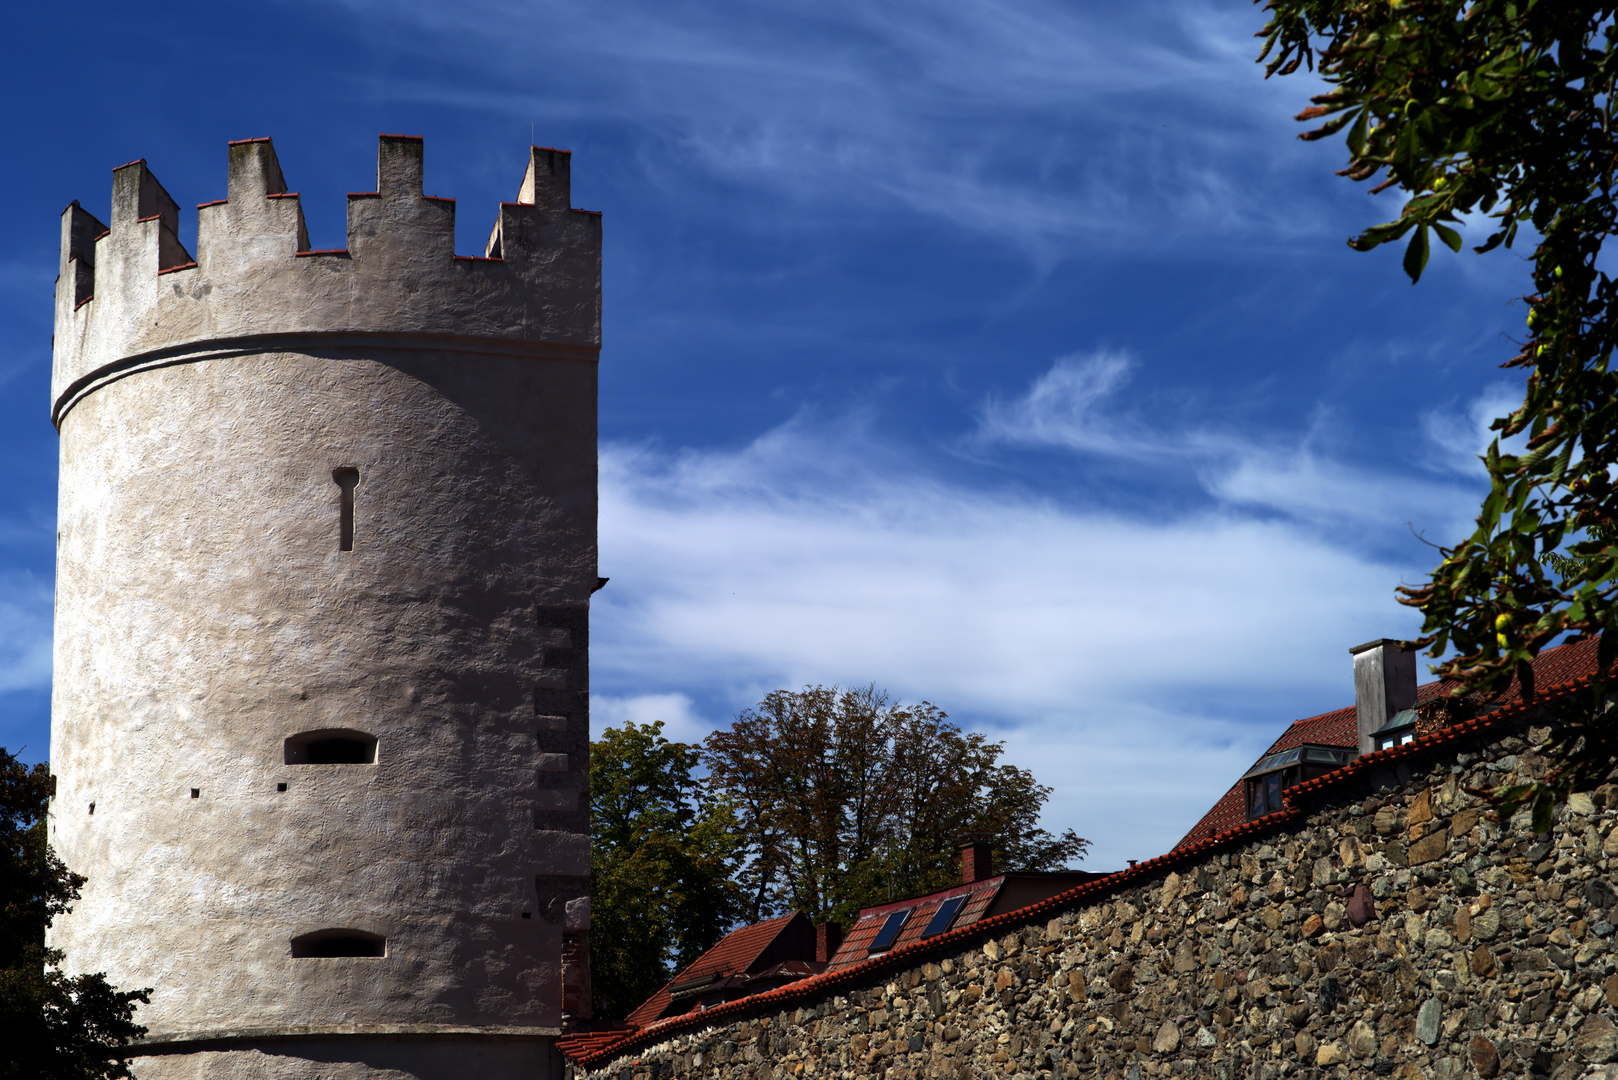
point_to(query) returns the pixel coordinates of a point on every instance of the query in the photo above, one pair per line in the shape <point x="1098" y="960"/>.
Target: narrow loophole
<point x="333" y="746"/>
<point x="327" y="943"/>
<point x="347" y="479"/>
<point x="92" y="808"/>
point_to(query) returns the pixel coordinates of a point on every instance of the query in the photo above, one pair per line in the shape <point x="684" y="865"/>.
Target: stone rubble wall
<point x="1490" y="954"/>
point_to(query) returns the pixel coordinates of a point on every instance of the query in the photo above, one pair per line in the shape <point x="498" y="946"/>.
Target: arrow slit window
<point x="347" y="479"/>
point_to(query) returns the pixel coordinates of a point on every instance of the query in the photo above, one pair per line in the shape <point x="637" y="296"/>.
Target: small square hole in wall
<point x="196" y="793"/>
<point x="528" y="914"/>
<point x="280" y="787"/>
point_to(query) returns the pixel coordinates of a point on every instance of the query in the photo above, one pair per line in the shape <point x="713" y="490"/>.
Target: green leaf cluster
<point x="846" y="799"/>
<point x="56" y="1027"/>
<point x="664" y="853"/>
<point x="1500" y="113"/>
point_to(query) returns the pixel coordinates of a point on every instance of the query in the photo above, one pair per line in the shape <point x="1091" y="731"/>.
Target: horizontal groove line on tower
<point x="312" y="341"/>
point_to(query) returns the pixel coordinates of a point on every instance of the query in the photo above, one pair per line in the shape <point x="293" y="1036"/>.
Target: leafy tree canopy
<point x="663" y="856"/>
<point x="56" y="1027"/>
<point x="847" y="799"/>
<point x="1501" y="112"/>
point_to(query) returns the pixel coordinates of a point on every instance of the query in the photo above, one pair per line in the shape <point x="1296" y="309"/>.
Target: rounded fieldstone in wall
<point x="1427" y="1021"/>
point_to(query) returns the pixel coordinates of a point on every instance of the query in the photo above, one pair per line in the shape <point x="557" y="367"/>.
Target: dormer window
<point x="1276" y="772"/>
<point x="1397" y="731"/>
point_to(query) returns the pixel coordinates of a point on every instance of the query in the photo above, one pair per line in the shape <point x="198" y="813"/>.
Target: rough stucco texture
<point x="205" y="614"/>
<point x="1490" y="954"/>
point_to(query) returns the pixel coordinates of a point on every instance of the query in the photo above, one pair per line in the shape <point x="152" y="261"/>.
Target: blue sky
<point x="1004" y="354"/>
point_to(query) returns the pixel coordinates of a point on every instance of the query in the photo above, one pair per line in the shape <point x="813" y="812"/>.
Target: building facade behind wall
<point x="327" y="539"/>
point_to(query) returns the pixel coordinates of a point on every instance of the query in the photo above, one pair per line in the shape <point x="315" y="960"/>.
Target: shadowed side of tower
<point x="327" y="537"/>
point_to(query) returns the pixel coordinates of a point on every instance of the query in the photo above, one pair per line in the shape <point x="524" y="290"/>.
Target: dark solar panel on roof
<point x="943" y="916"/>
<point x="890" y="931"/>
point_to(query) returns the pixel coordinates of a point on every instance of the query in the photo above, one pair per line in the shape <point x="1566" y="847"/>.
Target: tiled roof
<point x="1183" y="856"/>
<point x="1340" y="727"/>
<point x="581" y="1044"/>
<point x="735" y="954"/>
<point x="854" y="949"/>
<point x="731" y="987"/>
<point x="1554" y="667"/>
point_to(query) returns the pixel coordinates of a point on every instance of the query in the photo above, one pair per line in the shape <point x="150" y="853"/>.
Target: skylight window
<point x="889" y="933"/>
<point x="943" y="916"/>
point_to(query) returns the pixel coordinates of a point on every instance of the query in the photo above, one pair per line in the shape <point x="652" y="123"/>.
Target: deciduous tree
<point x="846" y="799"/>
<point x="1500" y="113"/>
<point x="663" y="856"/>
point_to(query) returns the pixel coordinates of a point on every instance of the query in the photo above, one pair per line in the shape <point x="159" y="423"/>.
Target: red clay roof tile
<point x="1340" y="727"/>
<point x="854" y="948"/>
<point x="735" y="954"/>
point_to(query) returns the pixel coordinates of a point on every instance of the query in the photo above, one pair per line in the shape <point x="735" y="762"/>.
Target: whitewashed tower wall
<point x="327" y="539"/>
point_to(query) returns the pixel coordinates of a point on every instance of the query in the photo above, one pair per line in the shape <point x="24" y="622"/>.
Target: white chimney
<point x="1384" y="684"/>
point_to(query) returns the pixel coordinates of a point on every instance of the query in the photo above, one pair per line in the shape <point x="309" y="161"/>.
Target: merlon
<point x="130" y="293"/>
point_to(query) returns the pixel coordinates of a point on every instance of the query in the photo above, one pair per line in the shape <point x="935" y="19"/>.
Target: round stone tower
<point x="327" y="539"/>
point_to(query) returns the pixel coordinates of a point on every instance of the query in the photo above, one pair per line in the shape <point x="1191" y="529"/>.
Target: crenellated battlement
<point x="129" y="296"/>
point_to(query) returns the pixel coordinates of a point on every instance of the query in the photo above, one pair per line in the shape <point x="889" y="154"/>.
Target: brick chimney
<point x="977" y="862"/>
<point x="1384" y="684"/>
<point x="828" y="936"/>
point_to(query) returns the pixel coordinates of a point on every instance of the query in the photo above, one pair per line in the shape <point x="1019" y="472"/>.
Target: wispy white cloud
<point x="26" y="612"/>
<point x="1061" y="408"/>
<point x="1111" y="653"/>
<point x="1029" y="121"/>
<point x="1131" y="662"/>
<point x="1136" y="663"/>
<point x="1307" y="486"/>
<point x="1459" y="436"/>
<point x="680" y="719"/>
<point x="1079" y="405"/>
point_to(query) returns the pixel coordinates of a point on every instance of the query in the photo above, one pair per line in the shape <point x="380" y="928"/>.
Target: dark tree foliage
<point x="1501" y="110"/>
<point x="847" y="799"/>
<point x="56" y="1027"/>
<point x="663" y="856"/>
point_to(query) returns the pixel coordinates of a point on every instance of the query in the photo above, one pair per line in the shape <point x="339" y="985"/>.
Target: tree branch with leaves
<point x="847" y="799"/>
<point x="662" y="853"/>
<point x="1501" y="112"/>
